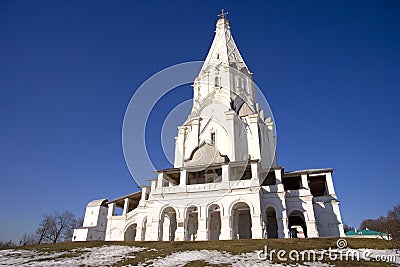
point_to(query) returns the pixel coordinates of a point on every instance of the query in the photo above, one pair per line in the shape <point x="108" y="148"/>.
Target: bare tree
<point x="28" y="240"/>
<point x="373" y="224"/>
<point x="393" y="222"/>
<point x="76" y="223"/>
<point x="56" y="227"/>
<point x="7" y="244"/>
<point x="44" y="228"/>
<point x="389" y="224"/>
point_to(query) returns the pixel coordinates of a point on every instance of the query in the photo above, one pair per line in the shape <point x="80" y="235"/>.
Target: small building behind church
<point x="226" y="182"/>
<point x="367" y="233"/>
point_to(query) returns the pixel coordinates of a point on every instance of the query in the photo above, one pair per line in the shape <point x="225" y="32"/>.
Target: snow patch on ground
<point x="96" y="256"/>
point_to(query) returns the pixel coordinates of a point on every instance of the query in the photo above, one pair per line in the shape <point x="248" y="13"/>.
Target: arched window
<point x="168" y="224"/>
<point x="214" y="222"/>
<point x="241" y="223"/>
<point x="272" y="225"/>
<point x="191" y="224"/>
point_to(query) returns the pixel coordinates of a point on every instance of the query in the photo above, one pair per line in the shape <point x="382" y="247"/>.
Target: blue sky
<point x="329" y="69"/>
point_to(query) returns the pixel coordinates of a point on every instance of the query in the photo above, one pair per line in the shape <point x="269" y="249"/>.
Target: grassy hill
<point x="201" y="253"/>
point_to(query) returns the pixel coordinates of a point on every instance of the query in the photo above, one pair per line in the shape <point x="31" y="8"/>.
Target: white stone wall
<point x="94" y="224"/>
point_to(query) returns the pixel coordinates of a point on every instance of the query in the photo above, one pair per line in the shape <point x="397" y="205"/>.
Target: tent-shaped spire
<point x="223" y="48"/>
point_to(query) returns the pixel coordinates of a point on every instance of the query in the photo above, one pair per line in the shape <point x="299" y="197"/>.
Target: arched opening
<point x="168" y="224"/>
<point x="241" y="221"/>
<point x="143" y="235"/>
<point x="272" y="225"/>
<point x="130" y="233"/>
<point x="297" y="225"/>
<point x="191" y="223"/>
<point x="214" y="222"/>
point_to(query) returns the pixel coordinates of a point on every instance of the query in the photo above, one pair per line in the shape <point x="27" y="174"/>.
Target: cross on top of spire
<point x="223" y="13"/>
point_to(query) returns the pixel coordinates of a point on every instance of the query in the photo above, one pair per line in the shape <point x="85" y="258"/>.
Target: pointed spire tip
<point x="223" y="14"/>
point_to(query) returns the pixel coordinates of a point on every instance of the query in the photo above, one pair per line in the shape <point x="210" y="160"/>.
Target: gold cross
<point x="222" y="15"/>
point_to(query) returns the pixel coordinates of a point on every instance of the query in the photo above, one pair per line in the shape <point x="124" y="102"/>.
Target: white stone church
<point x="225" y="183"/>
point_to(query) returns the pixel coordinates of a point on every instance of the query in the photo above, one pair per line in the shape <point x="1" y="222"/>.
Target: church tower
<point x="225" y="124"/>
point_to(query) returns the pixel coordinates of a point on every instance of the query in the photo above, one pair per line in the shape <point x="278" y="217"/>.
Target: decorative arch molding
<point x="294" y="215"/>
<point x="166" y="206"/>
<point x="129" y="224"/>
<point x="270" y="206"/>
<point x="115" y="229"/>
<point x="296" y="209"/>
<point x="191" y="205"/>
<point x="239" y="200"/>
<point x="220" y="207"/>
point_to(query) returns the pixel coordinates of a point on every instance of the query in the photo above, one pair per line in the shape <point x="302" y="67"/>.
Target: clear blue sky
<point x="330" y="71"/>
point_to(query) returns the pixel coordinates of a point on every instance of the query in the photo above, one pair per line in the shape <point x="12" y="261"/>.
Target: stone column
<point x="195" y="123"/>
<point x="111" y="208"/>
<point x="304" y="181"/>
<point x="180" y="229"/>
<point x="329" y="184"/>
<point x="152" y="229"/>
<point x="283" y="230"/>
<point x="160" y="180"/>
<point x="253" y="142"/>
<point x="138" y="236"/>
<point x="153" y="184"/>
<point x="256" y="227"/>
<point x="226" y="172"/>
<point x="254" y="174"/>
<point x="183" y="178"/>
<point x="278" y="177"/>
<point x="310" y="220"/>
<point x="226" y="230"/>
<point x="283" y="222"/>
<point x="336" y="211"/>
<point x="230" y="119"/>
<point x="179" y="147"/>
<point x="126" y="206"/>
<point x="202" y="229"/>
<point x="143" y="195"/>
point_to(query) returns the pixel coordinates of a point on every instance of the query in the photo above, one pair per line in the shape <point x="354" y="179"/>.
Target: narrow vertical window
<point x="240" y="83"/>
<point x="213" y="138"/>
<point x="217" y="56"/>
<point x="216" y="81"/>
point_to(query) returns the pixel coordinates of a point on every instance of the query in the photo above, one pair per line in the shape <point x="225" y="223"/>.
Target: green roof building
<point x="367" y="234"/>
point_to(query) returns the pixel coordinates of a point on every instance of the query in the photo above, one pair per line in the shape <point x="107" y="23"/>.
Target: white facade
<point x="225" y="183"/>
<point x="94" y="223"/>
